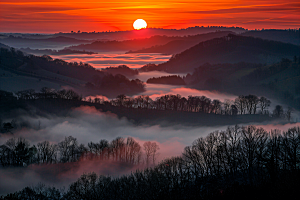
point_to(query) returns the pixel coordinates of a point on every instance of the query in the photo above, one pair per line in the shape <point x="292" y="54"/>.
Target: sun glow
<point x="139" y="24"/>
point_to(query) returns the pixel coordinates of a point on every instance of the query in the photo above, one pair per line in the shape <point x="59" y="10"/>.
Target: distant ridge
<point x="287" y="36"/>
<point x="183" y="43"/>
<point x="145" y="33"/>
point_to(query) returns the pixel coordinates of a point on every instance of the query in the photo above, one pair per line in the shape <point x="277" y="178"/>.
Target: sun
<point x="139" y="24"/>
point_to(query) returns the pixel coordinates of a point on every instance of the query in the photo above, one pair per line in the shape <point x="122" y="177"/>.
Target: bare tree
<point x="264" y="103"/>
<point x="46" y="152"/>
<point x="288" y="114"/>
<point x="151" y="151"/>
<point x="278" y="111"/>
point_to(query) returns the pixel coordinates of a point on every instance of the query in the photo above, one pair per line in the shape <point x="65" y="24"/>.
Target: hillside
<point x="62" y="107"/>
<point x="280" y="81"/>
<point x="149" y="32"/>
<point x="122" y="69"/>
<point x="182" y="43"/>
<point x="50" y="42"/>
<point x="126" y="45"/>
<point x="169" y="80"/>
<point x="21" y="72"/>
<point x="54" y="52"/>
<point x="230" y="49"/>
<point x="286" y="36"/>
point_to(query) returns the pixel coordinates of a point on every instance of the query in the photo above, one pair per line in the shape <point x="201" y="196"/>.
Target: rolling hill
<point x="287" y="36"/>
<point x="230" y="49"/>
<point x="183" y="43"/>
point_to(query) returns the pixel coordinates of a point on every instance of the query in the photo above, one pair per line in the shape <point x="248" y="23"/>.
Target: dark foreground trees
<point x="238" y="163"/>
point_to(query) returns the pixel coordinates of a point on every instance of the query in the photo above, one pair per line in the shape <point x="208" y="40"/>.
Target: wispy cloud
<point x="119" y="15"/>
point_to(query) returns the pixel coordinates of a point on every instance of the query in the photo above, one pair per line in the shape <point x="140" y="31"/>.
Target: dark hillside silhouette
<point x="82" y="76"/>
<point x="122" y="69"/>
<point x="125" y="45"/>
<point x="49" y="42"/>
<point x="170" y="80"/>
<point x="149" y="32"/>
<point x="54" y="52"/>
<point x="287" y="36"/>
<point x="182" y="43"/>
<point x="165" y="110"/>
<point x="230" y="49"/>
<point x="280" y="80"/>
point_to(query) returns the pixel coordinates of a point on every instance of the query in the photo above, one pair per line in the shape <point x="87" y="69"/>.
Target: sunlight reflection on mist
<point x="114" y="59"/>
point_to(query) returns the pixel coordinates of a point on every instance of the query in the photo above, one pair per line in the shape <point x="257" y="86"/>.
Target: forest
<point x="170" y="80"/>
<point x="228" y="164"/>
<point x="121" y="69"/>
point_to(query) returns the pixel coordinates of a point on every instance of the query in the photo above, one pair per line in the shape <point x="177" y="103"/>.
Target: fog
<point x="59" y="175"/>
<point x="88" y="124"/>
<point x="114" y="59"/>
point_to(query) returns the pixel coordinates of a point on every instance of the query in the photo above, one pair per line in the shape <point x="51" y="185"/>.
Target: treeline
<point x="171" y="80"/>
<point x="240" y="162"/>
<point x="17" y="152"/>
<point x="121" y="69"/>
<point x="250" y="104"/>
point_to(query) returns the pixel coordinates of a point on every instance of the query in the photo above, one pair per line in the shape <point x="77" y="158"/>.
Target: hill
<point x="287" y="36"/>
<point x="62" y="107"/>
<point x="230" y="49"/>
<point x="182" y="43"/>
<point x="126" y="45"/>
<point x="279" y="81"/>
<point x="21" y="72"/>
<point x="122" y="69"/>
<point x="169" y="80"/>
<point x="54" y="52"/>
<point x="149" y="32"/>
<point x="50" y="42"/>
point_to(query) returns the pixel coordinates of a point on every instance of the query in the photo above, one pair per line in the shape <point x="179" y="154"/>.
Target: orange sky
<point x="49" y="16"/>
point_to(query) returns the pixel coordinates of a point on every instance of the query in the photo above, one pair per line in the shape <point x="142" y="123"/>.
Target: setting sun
<point x="139" y="24"/>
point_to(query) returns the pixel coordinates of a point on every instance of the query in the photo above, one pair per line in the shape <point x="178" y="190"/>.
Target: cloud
<point x="256" y="8"/>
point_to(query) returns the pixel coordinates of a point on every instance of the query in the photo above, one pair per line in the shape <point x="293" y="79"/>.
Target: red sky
<point x="49" y="16"/>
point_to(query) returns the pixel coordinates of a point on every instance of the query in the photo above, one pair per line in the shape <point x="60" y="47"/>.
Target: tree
<point x="278" y="111"/>
<point x="151" y="151"/>
<point x="120" y="100"/>
<point x="227" y="103"/>
<point x="7" y="127"/>
<point x="264" y="103"/>
<point x="240" y="104"/>
<point x="117" y="148"/>
<point x="46" y="152"/>
<point x="288" y="114"/>
<point x="251" y="103"/>
<point x="132" y="151"/>
<point x="68" y="149"/>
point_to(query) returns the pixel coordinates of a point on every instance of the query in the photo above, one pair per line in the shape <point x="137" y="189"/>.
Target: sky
<point x="50" y="16"/>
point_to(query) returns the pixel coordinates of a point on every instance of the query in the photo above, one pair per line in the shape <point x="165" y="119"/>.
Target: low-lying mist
<point x="88" y="124"/>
